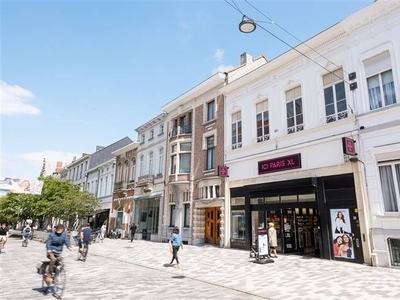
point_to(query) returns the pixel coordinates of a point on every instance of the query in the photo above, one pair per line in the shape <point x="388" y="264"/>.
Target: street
<point x="118" y="269"/>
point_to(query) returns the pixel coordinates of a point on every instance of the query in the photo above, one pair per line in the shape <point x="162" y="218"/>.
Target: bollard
<point x="374" y="259"/>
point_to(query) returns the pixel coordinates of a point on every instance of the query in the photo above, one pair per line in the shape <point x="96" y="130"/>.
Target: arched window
<point x="141" y="167"/>
<point x="151" y="163"/>
<point x="126" y="172"/>
<point x="160" y="161"/>
<point x="133" y="169"/>
<point x="119" y="174"/>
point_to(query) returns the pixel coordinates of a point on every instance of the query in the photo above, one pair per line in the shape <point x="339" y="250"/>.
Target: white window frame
<point x="236" y="124"/>
<point x="261" y="110"/>
<point x="160" y="160"/>
<point x="210" y="111"/>
<point x="396" y="183"/>
<point x="294" y="96"/>
<point x="331" y="80"/>
<point x="151" y="160"/>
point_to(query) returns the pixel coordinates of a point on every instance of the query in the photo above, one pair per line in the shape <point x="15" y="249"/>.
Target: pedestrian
<point x="175" y="243"/>
<point x="103" y="232"/>
<point x="26" y="234"/>
<point x="273" y="240"/>
<point x="133" y="231"/>
<point x="3" y="235"/>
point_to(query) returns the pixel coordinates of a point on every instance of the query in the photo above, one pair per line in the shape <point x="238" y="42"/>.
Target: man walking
<point x="133" y="231"/>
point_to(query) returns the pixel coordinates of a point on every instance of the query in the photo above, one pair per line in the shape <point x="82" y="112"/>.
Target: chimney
<point x="245" y="58"/>
<point x="74" y="158"/>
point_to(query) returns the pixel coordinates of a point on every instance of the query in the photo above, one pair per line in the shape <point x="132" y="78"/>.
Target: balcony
<point x="145" y="180"/>
<point x="180" y="130"/>
<point x="120" y="185"/>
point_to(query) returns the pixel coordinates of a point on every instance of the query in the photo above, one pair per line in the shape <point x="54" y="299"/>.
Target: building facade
<point x="150" y="180"/>
<point x="100" y="180"/>
<point x="296" y="166"/>
<point x="124" y="186"/>
<point x="76" y="171"/>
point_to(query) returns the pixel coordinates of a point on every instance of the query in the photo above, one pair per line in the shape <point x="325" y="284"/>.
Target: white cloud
<point x="222" y="68"/>
<point x="14" y="100"/>
<point x="51" y="156"/>
<point x="219" y="55"/>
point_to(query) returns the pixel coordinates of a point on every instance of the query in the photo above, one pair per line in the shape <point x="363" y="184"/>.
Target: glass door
<point x="274" y="216"/>
<point x="289" y="231"/>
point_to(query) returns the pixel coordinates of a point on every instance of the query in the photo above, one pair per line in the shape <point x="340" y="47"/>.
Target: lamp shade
<point x="247" y="26"/>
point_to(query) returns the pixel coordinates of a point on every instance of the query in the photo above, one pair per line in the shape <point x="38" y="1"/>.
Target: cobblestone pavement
<point x="117" y="269"/>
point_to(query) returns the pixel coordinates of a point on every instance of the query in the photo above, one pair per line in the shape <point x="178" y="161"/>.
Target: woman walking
<point x="176" y="242"/>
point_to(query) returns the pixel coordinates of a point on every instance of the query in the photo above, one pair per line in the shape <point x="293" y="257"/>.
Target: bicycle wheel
<point x="59" y="282"/>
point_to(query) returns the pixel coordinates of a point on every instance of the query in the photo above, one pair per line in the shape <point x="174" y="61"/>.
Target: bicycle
<point x="57" y="286"/>
<point x="83" y="252"/>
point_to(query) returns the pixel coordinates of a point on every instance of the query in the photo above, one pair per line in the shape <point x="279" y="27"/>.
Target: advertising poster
<point x="263" y="244"/>
<point x="342" y="233"/>
<point x="20" y="186"/>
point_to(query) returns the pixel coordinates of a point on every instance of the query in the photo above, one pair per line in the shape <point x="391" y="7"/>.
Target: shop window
<point x="274" y="199"/>
<point x="255" y="201"/>
<point x="307" y="198"/>
<point x="390" y="183"/>
<point x="186" y="222"/>
<point x="237" y="201"/>
<point x="238" y="226"/>
<point x="289" y="198"/>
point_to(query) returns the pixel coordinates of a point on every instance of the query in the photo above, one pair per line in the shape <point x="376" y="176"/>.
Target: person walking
<point x="26" y="235"/>
<point x="273" y="240"/>
<point x="103" y="232"/>
<point x="133" y="231"/>
<point x="175" y="242"/>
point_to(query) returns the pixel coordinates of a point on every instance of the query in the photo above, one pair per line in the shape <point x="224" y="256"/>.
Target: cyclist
<point x="54" y="246"/>
<point x="86" y="235"/>
<point x="3" y="235"/>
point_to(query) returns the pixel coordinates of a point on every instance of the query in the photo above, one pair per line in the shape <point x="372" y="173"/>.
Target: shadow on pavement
<point x="168" y="265"/>
<point x="178" y="277"/>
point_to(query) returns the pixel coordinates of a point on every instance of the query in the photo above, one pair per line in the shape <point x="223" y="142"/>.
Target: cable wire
<point x="292" y="35"/>
<point x="286" y="43"/>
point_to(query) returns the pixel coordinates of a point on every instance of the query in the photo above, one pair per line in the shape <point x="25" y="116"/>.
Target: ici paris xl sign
<point x="283" y="163"/>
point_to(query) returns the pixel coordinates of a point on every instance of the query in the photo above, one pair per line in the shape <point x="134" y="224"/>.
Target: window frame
<point x="336" y="81"/>
<point x="236" y="130"/>
<point x="292" y="100"/>
<point x="211" y="109"/>
<point x="262" y="116"/>
<point x="210" y="153"/>
<point x="396" y="185"/>
<point x="172" y="214"/>
<point x="186" y="219"/>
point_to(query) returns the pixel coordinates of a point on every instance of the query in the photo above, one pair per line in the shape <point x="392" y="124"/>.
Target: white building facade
<point x="150" y="181"/>
<point x="295" y="165"/>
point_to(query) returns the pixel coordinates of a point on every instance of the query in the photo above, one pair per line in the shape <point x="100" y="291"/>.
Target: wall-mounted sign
<point x="280" y="164"/>
<point x="223" y="171"/>
<point x="348" y="146"/>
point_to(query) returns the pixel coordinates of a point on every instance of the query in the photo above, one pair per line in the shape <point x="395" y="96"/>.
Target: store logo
<point x="280" y="164"/>
<point x="348" y="146"/>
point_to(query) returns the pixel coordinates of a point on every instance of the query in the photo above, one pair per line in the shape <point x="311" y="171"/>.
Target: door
<point x="212" y="228"/>
<point x="345" y="234"/>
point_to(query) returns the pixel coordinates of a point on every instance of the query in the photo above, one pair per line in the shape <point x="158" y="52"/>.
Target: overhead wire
<point x="286" y="43"/>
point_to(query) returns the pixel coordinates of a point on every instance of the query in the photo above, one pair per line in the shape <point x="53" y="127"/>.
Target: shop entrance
<point x="297" y="228"/>
<point x="212" y="228"/>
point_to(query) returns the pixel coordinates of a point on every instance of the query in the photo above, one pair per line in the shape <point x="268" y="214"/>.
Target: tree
<point x="59" y="199"/>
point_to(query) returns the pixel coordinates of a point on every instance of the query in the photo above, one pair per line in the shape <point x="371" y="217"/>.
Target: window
<point x="381" y="90"/>
<point x="238" y="225"/>
<point x="390" y="182"/>
<point x="88" y="186"/>
<point x="142" y="138"/>
<point x="141" y="167"/>
<point x="160" y="160"/>
<point x="151" y="134"/>
<point x="294" y="110"/>
<point x="100" y="193"/>
<point x="173" y="159"/>
<point x="161" y="129"/>
<point x="210" y="153"/>
<point x="237" y="130"/>
<point x="335" y="96"/>
<point x="172" y="215"/>
<point x="106" y="186"/>
<point x="185" y="157"/>
<point x="151" y="163"/>
<point x="133" y="169"/>
<point x="186" y="222"/>
<point x="211" y="110"/>
<point x="119" y="176"/>
<point x="262" y="121"/>
<point x="126" y="172"/>
<point x="118" y="222"/>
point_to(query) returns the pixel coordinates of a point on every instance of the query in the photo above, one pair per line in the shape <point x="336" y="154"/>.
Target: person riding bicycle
<point x="26" y="233"/>
<point x="86" y="235"/>
<point x="3" y="235"/>
<point x="54" y="246"/>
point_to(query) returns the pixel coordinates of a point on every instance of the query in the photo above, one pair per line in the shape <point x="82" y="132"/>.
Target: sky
<point x="77" y="74"/>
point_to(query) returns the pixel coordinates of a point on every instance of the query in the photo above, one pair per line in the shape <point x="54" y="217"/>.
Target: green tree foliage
<point x="59" y="199"/>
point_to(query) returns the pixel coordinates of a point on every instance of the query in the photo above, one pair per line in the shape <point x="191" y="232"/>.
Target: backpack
<point x="27" y="229"/>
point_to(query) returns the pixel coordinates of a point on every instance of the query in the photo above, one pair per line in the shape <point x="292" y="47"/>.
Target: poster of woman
<point x="342" y="233"/>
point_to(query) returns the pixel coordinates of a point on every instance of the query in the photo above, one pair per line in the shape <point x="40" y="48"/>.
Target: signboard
<point x="263" y="248"/>
<point x="348" y="146"/>
<point x="20" y="186"/>
<point x="283" y="163"/>
<point x="223" y="171"/>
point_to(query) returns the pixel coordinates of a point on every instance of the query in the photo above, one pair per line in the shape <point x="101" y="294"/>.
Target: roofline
<point x="152" y="122"/>
<point x="196" y="91"/>
<point x="126" y="148"/>
<point x="77" y="161"/>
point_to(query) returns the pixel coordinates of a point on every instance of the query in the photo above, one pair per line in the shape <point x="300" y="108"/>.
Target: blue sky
<point x="76" y="74"/>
